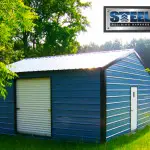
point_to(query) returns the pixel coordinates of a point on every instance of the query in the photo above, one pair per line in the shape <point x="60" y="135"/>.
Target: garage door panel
<point x="28" y="118"/>
<point x="34" y="131"/>
<point x="36" y="107"/>
<point x="36" y="118"/>
<point x="33" y="106"/>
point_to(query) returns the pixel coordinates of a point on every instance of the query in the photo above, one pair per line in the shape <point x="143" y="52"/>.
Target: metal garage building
<point x="91" y="97"/>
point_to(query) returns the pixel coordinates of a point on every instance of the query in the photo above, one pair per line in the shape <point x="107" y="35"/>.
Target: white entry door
<point x="33" y="106"/>
<point x="133" y="108"/>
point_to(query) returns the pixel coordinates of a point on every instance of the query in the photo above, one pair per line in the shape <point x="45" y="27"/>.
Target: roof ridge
<point x="74" y="61"/>
<point x="102" y="51"/>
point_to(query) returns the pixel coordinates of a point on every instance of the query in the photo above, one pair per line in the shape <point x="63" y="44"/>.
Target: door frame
<point x="15" y="103"/>
<point x="131" y="110"/>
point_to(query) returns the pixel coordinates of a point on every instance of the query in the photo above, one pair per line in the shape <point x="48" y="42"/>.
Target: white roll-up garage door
<point x="34" y="106"/>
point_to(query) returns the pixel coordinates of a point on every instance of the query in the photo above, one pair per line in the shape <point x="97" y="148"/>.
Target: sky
<point x="95" y="16"/>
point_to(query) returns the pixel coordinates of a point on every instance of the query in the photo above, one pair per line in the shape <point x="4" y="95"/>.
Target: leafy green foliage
<point x="22" y="33"/>
<point x="56" y="29"/>
<point x="14" y="17"/>
<point x="5" y="77"/>
<point x="147" y="69"/>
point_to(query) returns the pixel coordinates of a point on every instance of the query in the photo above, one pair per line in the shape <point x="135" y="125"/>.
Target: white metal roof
<point x="66" y="62"/>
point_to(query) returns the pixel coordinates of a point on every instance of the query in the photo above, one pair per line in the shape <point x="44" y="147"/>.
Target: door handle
<point x="49" y="110"/>
<point x="17" y="108"/>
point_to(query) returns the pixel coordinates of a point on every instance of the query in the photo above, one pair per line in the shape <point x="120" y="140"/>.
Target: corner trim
<point x="119" y="59"/>
<point x="102" y="106"/>
<point x="15" y="106"/>
<point x="116" y="60"/>
<point x="138" y="56"/>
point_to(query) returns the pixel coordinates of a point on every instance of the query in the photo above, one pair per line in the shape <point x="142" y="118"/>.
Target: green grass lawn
<point x="138" y="141"/>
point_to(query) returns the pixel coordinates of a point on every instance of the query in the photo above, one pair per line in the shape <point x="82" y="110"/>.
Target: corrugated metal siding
<point x="120" y="77"/>
<point x="68" y="62"/>
<point x="7" y="113"/>
<point x="75" y="103"/>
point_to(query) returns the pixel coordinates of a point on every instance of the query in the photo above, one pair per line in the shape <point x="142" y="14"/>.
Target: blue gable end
<point x="120" y="77"/>
<point x="75" y="104"/>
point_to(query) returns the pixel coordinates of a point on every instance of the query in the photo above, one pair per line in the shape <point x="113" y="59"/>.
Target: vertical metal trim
<point x="137" y="107"/>
<point x="15" y="107"/>
<point x="51" y="104"/>
<point x="130" y="108"/>
<point x="103" y="105"/>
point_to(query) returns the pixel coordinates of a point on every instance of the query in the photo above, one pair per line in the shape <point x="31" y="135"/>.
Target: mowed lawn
<point x="138" y="141"/>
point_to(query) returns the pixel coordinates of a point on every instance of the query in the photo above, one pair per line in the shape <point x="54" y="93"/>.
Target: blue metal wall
<point x="7" y="113"/>
<point x="75" y="104"/>
<point x="120" y="77"/>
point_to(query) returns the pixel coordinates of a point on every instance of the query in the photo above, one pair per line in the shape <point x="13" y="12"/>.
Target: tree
<point x="14" y="17"/>
<point x="142" y="47"/>
<point x="112" y="45"/>
<point x="109" y="45"/>
<point x="92" y="47"/>
<point x="58" y="25"/>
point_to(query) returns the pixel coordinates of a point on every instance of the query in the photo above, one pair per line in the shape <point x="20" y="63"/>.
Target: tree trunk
<point x="25" y="42"/>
